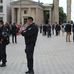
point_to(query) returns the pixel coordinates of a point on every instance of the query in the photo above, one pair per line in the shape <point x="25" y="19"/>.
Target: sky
<point x="63" y="4"/>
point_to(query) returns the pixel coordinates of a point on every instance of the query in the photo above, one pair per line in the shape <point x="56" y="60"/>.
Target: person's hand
<point x="21" y="29"/>
<point x="23" y="32"/>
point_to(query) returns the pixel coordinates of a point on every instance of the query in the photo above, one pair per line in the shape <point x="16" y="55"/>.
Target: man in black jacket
<point x="30" y="34"/>
<point x="49" y="30"/>
<point x="68" y="31"/>
<point x="3" y="43"/>
<point x="57" y="28"/>
<point x="14" y="31"/>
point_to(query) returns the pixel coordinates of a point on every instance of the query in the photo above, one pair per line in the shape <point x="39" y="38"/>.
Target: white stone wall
<point x="69" y="10"/>
<point x="56" y="11"/>
<point x="6" y="9"/>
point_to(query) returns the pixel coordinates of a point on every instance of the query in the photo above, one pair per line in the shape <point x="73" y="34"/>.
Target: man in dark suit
<point x="30" y="34"/>
<point x="14" y="32"/>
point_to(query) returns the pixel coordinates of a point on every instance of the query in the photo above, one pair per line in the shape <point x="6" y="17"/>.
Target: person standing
<point x="53" y="27"/>
<point x="44" y="29"/>
<point x="30" y="35"/>
<point x="57" y="28"/>
<point x="68" y="32"/>
<point x="49" y="30"/>
<point x="3" y="43"/>
<point x="14" y="32"/>
<point x="8" y="30"/>
<point x="40" y="28"/>
<point x="62" y="27"/>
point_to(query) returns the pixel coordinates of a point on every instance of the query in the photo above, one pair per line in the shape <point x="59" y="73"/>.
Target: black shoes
<point x="30" y="72"/>
<point x="3" y="65"/>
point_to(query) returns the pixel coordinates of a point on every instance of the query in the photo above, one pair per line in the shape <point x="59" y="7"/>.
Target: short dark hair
<point x="30" y="18"/>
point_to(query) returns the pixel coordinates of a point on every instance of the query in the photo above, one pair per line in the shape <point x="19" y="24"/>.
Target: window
<point x="1" y="1"/>
<point x="1" y="8"/>
<point x="25" y="11"/>
<point x="1" y="18"/>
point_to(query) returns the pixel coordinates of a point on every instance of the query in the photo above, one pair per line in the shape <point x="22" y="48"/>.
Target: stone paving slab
<point x="52" y="56"/>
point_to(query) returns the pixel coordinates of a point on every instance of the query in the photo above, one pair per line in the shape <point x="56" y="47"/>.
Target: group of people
<point x="46" y="29"/>
<point x="50" y="29"/>
<point x="30" y="35"/>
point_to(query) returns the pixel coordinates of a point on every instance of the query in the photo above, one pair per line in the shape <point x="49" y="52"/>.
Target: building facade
<point x="56" y="11"/>
<point x="20" y="11"/>
<point x="5" y="10"/>
<point x="69" y="10"/>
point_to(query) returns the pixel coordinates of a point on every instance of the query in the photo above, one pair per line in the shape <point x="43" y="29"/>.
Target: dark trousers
<point x="56" y="32"/>
<point x="40" y="30"/>
<point x="53" y="32"/>
<point x="29" y="61"/>
<point x="44" y="32"/>
<point x="49" y="33"/>
<point x="29" y="55"/>
<point x="9" y="39"/>
<point x="3" y="53"/>
<point x="14" y="38"/>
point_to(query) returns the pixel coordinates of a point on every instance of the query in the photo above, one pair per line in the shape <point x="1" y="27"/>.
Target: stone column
<point x="41" y="17"/>
<point x="29" y="10"/>
<point x="50" y="17"/>
<point x="13" y="15"/>
<point x="18" y="16"/>
<point x="56" y="10"/>
<point x="37" y="21"/>
<point x="68" y="10"/>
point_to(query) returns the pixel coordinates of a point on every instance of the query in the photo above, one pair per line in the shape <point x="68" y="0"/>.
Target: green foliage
<point x="62" y="15"/>
<point x="46" y="16"/>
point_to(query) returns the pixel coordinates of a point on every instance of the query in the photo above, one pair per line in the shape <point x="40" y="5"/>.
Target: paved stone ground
<point x="52" y="56"/>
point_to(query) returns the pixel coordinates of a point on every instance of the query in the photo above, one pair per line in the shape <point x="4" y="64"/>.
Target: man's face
<point x="29" y="21"/>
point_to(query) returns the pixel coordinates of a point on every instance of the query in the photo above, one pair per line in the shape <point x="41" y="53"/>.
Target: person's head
<point x="29" y="20"/>
<point x="6" y="24"/>
<point x="69" y="22"/>
<point x="1" y="23"/>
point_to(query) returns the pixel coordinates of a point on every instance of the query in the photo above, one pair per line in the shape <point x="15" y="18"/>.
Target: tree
<point x="62" y="15"/>
<point x="46" y="16"/>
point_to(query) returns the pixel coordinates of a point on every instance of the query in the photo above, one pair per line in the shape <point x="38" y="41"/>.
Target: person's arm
<point x="23" y="33"/>
<point x="31" y="31"/>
